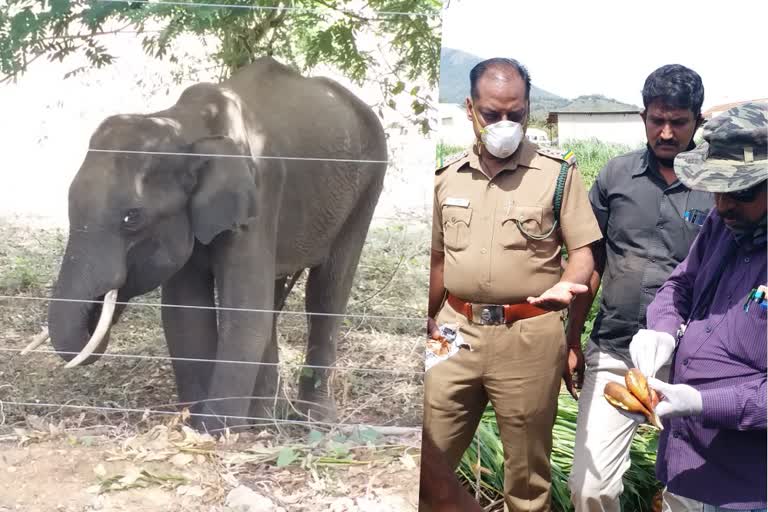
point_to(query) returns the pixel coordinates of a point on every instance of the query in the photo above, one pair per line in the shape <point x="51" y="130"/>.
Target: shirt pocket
<point x="521" y="224"/>
<point x="456" y="224"/>
<point x="745" y="336"/>
<point x="698" y="207"/>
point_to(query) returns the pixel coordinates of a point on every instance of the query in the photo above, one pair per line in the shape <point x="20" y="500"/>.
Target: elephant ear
<point x="224" y="197"/>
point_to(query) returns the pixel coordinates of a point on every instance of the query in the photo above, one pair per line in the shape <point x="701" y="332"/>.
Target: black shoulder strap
<point x="559" y="189"/>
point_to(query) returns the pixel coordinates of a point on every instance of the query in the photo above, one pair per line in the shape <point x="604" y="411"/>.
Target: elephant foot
<point x="214" y="417"/>
<point x="317" y="410"/>
<point x="264" y="411"/>
<point x="314" y="404"/>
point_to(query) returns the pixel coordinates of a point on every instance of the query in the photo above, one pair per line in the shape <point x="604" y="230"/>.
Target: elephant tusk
<point x="37" y="340"/>
<point x="101" y="329"/>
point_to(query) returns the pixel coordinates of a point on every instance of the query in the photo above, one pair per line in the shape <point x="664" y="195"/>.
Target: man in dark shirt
<point x="649" y="219"/>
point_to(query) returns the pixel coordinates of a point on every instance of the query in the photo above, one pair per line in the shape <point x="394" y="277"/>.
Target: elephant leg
<point x="268" y="381"/>
<point x="244" y="268"/>
<point x="190" y="332"/>
<point x="327" y="292"/>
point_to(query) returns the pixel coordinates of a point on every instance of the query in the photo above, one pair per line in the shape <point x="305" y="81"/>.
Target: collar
<point x="649" y="163"/>
<point x="524" y="156"/>
<point x="756" y="238"/>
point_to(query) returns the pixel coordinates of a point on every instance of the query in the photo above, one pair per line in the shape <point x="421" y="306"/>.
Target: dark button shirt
<point x="647" y="236"/>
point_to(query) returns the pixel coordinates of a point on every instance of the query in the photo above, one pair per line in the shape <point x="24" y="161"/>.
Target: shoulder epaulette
<point x="445" y="161"/>
<point x="567" y="156"/>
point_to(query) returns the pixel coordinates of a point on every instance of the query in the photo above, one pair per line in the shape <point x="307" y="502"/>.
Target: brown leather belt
<point x="494" y="314"/>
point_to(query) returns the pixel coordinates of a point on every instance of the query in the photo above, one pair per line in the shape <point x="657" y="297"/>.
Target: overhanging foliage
<point x="300" y="33"/>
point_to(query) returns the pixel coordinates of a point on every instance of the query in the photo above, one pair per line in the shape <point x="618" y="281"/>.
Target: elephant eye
<point x="132" y="219"/>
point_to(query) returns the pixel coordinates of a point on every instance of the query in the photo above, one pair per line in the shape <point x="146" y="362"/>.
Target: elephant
<point x="221" y="201"/>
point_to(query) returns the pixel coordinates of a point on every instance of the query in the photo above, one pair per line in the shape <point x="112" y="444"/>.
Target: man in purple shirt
<point x="709" y="317"/>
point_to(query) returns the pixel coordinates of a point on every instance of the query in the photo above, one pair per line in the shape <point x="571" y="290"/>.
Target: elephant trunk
<point x="83" y="306"/>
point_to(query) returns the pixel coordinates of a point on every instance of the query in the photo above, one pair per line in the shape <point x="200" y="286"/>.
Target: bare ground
<point x="53" y="456"/>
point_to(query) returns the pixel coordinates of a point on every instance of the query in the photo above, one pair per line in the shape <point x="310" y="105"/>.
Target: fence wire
<point x="217" y="308"/>
<point x="147" y="411"/>
<point x="286" y="8"/>
<point x="360" y="369"/>
<point x="200" y="415"/>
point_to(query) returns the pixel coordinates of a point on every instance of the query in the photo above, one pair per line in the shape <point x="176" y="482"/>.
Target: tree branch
<point x="12" y="76"/>
<point x="72" y="37"/>
<point x="345" y="12"/>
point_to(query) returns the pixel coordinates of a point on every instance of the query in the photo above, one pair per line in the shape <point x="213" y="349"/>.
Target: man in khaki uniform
<point x="496" y="279"/>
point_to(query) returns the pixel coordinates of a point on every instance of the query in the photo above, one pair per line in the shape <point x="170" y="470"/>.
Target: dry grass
<point x="391" y="281"/>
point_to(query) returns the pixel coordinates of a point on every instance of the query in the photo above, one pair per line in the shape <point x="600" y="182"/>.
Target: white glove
<point x="677" y="400"/>
<point x="650" y="350"/>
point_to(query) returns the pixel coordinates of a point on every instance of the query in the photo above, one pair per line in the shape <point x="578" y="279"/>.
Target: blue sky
<point x="602" y="47"/>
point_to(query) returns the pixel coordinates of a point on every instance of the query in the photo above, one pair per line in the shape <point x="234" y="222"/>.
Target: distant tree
<point x="301" y="33"/>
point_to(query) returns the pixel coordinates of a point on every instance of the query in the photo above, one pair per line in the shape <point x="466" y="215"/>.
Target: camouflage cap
<point x="734" y="155"/>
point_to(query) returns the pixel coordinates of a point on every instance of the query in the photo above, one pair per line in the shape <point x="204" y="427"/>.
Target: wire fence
<point x="389" y="374"/>
<point x="276" y="421"/>
<point x="216" y="308"/>
<point x="360" y="369"/>
<point x="284" y="8"/>
<point x="152" y="411"/>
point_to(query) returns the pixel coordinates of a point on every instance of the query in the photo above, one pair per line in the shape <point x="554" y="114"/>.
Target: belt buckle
<point x="489" y="314"/>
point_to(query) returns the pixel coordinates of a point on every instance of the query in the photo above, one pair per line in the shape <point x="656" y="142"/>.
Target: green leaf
<point x="369" y="435"/>
<point x="286" y="457"/>
<point x="59" y="7"/>
<point x="315" y="437"/>
<point x="339" y="449"/>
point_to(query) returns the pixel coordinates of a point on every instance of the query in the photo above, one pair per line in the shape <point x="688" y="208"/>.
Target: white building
<point x="454" y="129"/>
<point x="613" y="126"/>
<point x="538" y="136"/>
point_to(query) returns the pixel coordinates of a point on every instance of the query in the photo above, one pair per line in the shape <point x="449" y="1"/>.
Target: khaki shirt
<point x="475" y="222"/>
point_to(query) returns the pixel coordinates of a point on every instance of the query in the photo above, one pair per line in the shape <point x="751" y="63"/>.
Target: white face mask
<point x="501" y="139"/>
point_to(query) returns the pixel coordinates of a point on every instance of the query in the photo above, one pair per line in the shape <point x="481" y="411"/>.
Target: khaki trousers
<point x="603" y="435"/>
<point x="517" y="367"/>
<point x="675" y="503"/>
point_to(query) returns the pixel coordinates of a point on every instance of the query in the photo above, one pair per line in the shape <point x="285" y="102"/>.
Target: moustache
<point x="670" y="143"/>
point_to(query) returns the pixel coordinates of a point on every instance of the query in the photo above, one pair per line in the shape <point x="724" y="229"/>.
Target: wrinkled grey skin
<point x="236" y="227"/>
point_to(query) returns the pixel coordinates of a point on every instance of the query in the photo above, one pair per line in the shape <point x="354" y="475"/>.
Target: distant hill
<point x="455" y="66"/>
<point x="597" y="103"/>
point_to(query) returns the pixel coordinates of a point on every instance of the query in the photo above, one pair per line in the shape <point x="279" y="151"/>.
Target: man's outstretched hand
<point x="559" y="296"/>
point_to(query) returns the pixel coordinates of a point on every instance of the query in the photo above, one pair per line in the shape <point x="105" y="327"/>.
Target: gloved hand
<point x="677" y="400"/>
<point x="650" y="350"/>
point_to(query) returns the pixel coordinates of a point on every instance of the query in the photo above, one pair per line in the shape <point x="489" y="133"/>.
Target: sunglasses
<point x="747" y="195"/>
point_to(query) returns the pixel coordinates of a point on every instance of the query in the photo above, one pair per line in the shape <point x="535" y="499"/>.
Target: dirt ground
<point x="54" y="458"/>
<point x="158" y="471"/>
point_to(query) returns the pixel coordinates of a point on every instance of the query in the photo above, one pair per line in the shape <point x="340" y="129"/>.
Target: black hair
<point x="675" y="86"/>
<point x="498" y="62"/>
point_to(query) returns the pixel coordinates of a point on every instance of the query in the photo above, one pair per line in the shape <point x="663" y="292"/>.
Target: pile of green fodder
<point x="640" y="484"/>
